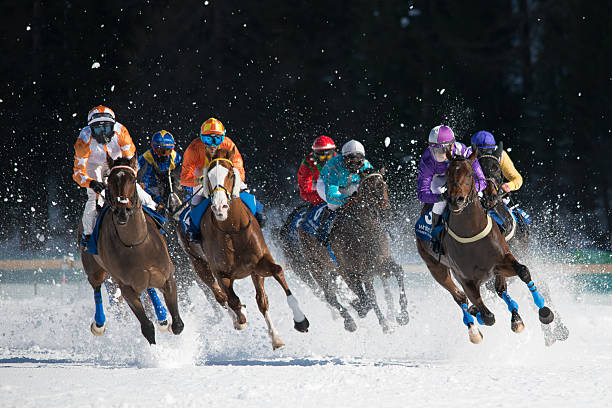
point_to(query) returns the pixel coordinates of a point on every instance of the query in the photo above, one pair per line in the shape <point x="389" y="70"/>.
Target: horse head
<point x="373" y="189"/>
<point x="491" y="169"/>
<point x="222" y="182"/>
<point x="123" y="197"/>
<point x="460" y="181"/>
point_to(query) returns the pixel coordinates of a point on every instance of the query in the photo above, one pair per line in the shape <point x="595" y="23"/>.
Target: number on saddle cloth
<point x="422" y="228"/>
<point x="312" y="220"/>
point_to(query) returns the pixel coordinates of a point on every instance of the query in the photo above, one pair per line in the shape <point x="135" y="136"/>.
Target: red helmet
<point x="323" y="143"/>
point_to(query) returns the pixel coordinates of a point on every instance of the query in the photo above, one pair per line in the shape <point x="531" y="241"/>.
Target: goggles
<point x="102" y="128"/>
<point x="353" y="157"/>
<point x="323" y="155"/>
<point x="212" y="140"/>
<point x="163" y="151"/>
<point x="438" y="149"/>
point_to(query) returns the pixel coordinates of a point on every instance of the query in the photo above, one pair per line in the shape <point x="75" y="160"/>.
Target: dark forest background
<point x="536" y="73"/>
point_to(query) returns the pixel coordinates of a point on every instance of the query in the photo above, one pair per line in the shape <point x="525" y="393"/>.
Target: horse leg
<point x="266" y="266"/>
<point x="169" y="291"/>
<point x="160" y="310"/>
<point x="210" y="297"/>
<point x="262" y="304"/>
<point x="329" y="291"/>
<point x="371" y="293"/>
<point x="133" y="299"/>
<point x="388" y="298"/>
<point x="233" y="302"/>
<point x="362" y="304"/>
<point x="398" y="272"/>
<point x="478" y="310"/>
<point x="516" y="323"/>
<point x="510" y="267"/>
<point x="98" y="326"/>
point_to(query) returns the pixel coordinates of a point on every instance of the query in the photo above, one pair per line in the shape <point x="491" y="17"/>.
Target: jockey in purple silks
<point x="432" y="178"/>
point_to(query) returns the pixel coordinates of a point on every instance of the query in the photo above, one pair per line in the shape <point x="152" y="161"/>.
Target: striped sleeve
<point x="515" y="180"/>
<point x="81" y="155"/>
<point x="237" y="161"/>
<point x="125" y="143"/>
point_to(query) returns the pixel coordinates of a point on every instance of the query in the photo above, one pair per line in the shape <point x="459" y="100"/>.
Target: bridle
<point x="472" y="194"/>
<point x="136" y="204"/>
<point x="494" y="182"/>
<point x="221" y="187"/>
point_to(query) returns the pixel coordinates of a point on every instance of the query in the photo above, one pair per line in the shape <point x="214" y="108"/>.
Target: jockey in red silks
<point x="431" y="179"/>
<point x="323" y="149"/>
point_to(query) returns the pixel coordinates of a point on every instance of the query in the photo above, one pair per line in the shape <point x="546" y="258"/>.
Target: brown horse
<point x="360" y="244"/>
<point x="475" y="250"/>
<point x="517" y="234"/>
<point x="132" y="250"/>
<point x="233" y="247"/>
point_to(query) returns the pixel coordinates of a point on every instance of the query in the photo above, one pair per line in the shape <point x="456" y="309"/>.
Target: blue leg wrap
<point x="99" y="316"/>
<point x="537" y="298"/>
<point x="512" y="305"/>
<point x="479" y="318"/>
<point x="160" y="310"/>
<point x="467" y="318"/>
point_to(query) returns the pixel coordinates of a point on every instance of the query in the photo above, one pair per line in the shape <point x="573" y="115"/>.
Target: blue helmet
<point x="162" y="140"/>
<point x="483" y="140"/>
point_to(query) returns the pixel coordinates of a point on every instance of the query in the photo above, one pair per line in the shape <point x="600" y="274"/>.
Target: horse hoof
<point x="239" y="326"/>
<point x="517" y="326"/>
<point x="350" y="325"/>
<point x="97" y="330"/>
<point x="177" y="328"/>
<point x="475" y="334"/>
<point x="546" y="315"/>
<point x="362" y="311"/>
<point x="163" y="326"/>
<point x="403" y="318"/>
<point x="277" y="344"/>
<point x="302" y="326"/>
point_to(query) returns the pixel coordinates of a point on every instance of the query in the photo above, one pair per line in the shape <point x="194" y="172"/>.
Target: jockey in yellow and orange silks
<point x="102" y="136"/>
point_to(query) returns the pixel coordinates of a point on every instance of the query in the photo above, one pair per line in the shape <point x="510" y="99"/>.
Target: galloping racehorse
<point x="475" y="249"/>
<point x="360" y="245"/>
<point x="233" y="248"/>
<point x="132" y="250"/>
<point x="518" y="235"/>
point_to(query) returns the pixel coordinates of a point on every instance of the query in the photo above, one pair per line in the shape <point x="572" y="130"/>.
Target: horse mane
<point x="223" y="154"/>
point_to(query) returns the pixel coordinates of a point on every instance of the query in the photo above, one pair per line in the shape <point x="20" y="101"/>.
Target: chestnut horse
<point x="361" y="247"/>
<point x="475" y="250"/>
<point x="132" y="250"/>
<point x="233" y="247"/>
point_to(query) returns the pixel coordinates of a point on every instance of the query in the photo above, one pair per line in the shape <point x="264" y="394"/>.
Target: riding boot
<point x="195" y="237"/>
<point x="321" y="228"/>
<point x="261" y="217"/>
<point x="436" y="229"/>
<point x="506" y="217"/>
<point x="85" y="240"/>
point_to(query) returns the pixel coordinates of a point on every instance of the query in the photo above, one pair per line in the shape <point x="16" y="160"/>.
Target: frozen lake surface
<point x="49" y="358"/>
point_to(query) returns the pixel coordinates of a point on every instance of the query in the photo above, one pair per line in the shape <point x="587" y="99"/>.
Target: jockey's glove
<point x="96" y="186"/>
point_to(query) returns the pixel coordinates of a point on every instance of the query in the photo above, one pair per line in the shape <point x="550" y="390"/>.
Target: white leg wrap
<point x="298" y="316"/>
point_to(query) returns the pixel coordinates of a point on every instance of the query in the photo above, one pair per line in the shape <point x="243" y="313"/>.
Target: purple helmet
<point x="484" y="140"/>
<point x="441" y="135"/>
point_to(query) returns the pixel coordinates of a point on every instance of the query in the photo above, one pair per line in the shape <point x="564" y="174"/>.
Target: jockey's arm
<point x="81" y="155"/>
<point x="479" y="178"/>
<point x="306" y="183"/>
<point x="515" y="180"/>
<point x="237" y="161"/>
<point x="424" y="178"/>
<point x="192" y="160"/>
<point x="126" y="144"/>
<point x="331" y="178"/>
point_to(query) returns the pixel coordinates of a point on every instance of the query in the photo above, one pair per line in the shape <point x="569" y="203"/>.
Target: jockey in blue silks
<point x="339" y="178"/>
<point x="159" y="160"/>
<point x="432" y="178"/>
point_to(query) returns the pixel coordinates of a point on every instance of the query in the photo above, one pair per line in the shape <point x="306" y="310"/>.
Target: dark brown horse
<point x="475" y="250"/>
<point x="132" y="250"/>
<point x="516" y="234"/>
<point x="233" y="247"/>
<point x="360" y="244"/>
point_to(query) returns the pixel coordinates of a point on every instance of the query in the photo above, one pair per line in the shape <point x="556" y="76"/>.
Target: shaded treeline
<point x="276" y="73"/>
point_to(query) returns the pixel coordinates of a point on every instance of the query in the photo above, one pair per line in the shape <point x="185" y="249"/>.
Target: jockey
<point x="431" y="174"/>
<point x="160" y="159"/>
<point x="102" y="136"/>
<point x="486" y="146"/>
<point x="197" y="157"/>
<point x="339" y="178"/>
<point x="323" y="149"/>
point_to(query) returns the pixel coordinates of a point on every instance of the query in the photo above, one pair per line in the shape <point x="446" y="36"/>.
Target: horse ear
<point x="474" y="154"/>
<point x="109" y="161"/>
<point x="237" y="183"/>
<point x="204" y="182"/>
<point x="449" y="155"/>
<point x="230" y="154"/>
<point x="499" y="150"/>
<point x="133" y="161"/>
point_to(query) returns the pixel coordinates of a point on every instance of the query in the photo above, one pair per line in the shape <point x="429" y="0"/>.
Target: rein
<point x="135" y="205"/>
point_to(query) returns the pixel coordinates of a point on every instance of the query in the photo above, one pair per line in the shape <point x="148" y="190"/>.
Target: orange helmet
<point x="100" y="114"/>
<point x="212" y="126"/>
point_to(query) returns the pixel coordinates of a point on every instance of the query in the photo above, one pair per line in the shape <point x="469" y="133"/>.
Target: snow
<point x="48" y="356"/>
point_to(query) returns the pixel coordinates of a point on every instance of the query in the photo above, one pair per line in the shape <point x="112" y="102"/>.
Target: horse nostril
<point x="460" y="199"/>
